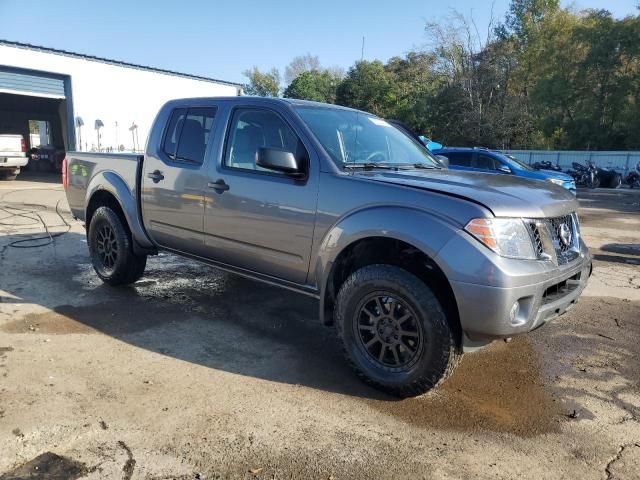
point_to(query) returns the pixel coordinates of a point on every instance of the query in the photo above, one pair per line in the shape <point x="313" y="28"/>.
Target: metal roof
<point x="92" y="58"/>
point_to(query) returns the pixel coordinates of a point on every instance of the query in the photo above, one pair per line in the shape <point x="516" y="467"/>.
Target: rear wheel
<point x="9" y="174"/>
<point x="111" y="249"/>
<point x="394" y="331"/>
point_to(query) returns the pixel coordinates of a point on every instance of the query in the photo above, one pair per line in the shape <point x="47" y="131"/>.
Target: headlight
<point x="507" y="237"/>
<point x="556" y="181"/>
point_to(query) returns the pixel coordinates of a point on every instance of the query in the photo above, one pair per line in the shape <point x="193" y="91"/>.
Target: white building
<point x="87" y="102"/>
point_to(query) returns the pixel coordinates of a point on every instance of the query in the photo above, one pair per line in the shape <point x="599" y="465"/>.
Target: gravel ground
<point x="193" y="373"/>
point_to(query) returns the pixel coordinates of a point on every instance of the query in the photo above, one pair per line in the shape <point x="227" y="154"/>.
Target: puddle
<point x="48" y="466"/>
<point x="498" y="389"/>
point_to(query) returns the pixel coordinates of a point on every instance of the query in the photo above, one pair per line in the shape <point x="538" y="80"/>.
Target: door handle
<point x="156" y="176"/>
<point x="219" y="185"/>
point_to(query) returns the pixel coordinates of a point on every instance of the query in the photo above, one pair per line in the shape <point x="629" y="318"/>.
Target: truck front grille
<point x="555" y="238"/>
<point x="559" y="290"/>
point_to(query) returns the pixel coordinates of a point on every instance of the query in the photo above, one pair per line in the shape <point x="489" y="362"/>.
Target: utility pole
<point x="362" y="50"/>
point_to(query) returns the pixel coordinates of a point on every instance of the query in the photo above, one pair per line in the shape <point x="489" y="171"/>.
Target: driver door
<point x="257" y="219"/>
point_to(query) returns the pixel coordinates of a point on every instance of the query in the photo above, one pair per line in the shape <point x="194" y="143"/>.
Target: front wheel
<point x="394" y="331"/>
<point x="111" y="250"/>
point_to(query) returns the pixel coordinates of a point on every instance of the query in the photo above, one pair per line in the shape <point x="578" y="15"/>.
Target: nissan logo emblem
<point x="565" y="234"/>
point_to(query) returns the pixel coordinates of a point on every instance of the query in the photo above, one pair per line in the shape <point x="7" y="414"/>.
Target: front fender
<point x="423" y="230"/>
<point x="113" y="183"/>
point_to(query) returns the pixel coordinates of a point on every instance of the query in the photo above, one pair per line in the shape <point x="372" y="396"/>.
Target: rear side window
<point x="188" y="133"/>
<point x="172" y="135"/>
<point x="462" y="159"/>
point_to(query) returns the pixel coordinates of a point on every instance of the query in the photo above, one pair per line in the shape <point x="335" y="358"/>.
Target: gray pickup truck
<point x="413" y="263"/>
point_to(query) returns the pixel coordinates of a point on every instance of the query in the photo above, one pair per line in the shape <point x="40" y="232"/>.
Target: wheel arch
<point x="109" y="189"/>
<point x="403" y="237"/>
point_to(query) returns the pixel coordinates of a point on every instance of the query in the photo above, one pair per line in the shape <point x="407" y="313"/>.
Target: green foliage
<point x="367" y="86"/>
<point x="319" y="86"/>
<point x="547" y="77"/>
<point x="262" y="84"/>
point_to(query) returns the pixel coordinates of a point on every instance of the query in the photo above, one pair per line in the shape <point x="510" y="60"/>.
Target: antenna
<point x="362" y="51"/>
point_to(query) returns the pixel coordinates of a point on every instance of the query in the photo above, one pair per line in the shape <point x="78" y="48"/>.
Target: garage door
<point x="31" y="84"/>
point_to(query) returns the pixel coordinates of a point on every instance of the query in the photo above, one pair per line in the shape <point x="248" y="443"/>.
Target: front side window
<point x="252" y="129"/>
<point x="517" y="164"/>
<point x="188" y="134"/>
<point x="356" y="138"/>
<point x="485" y="162"/>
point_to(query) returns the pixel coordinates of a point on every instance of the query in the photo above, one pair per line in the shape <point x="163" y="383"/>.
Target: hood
<point x="504" y="195"/>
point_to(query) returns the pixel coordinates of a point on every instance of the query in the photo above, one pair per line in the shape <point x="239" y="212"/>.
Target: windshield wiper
<point x="424" y="166"/>
<point x="370" y="166"/>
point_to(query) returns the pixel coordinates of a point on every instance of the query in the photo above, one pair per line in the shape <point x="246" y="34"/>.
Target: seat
<point x="192" y="145"/>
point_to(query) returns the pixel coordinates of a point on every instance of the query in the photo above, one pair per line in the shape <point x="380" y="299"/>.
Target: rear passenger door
<point x="174" y="178"/>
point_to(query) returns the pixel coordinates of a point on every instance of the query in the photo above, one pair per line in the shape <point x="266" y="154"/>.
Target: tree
<point x="319" y="86"/>
<point x="414" y="82"/>
<point x="368" y="87"/>
<point x="262" y="84"/>
<point x="301" y="64"/>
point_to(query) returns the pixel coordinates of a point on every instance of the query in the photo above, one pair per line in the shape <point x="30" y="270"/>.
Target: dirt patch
<point x="51" y="323"/>
<point x="499" y="389"/>
<point x="4" y="350"/>
<point x="48" y="466"/>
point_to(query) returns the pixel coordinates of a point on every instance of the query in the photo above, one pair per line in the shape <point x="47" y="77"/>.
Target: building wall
<point x="113" y="93"/>
<point x="619" y="161"/>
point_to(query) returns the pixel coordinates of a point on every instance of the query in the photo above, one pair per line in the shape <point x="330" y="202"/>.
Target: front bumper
<point x="486" y="288"/>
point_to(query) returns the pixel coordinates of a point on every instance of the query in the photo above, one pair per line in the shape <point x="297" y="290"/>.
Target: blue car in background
<point x="485" y="160"/>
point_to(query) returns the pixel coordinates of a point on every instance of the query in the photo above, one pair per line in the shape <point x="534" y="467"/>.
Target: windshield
<point x="354" y="138"/>
<point x="516" y="163"/>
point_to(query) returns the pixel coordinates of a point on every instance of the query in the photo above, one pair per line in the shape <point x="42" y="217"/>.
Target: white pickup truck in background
<point x="13" y="155"/>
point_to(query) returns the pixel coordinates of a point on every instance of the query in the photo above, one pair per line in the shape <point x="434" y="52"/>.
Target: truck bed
<point x="86" y="170"/>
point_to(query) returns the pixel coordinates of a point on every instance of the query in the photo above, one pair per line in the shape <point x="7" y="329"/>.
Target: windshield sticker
<point x="379" y="122"/>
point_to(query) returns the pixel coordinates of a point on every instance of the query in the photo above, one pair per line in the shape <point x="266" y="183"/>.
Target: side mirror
<point x="443" y="160"/>
<point x="278" y="160"/>
<point x="504" y="169"/>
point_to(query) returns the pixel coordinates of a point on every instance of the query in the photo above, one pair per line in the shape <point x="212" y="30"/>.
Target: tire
<point x="111" y="251"/>
<point x="411" y="364"/>
<point x="594" y="184"/>
<point x="615" y="181"/>
<point x="9" y="174"/>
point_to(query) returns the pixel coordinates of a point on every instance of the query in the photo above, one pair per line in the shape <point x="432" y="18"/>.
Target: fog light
<point x="513" y="314"/>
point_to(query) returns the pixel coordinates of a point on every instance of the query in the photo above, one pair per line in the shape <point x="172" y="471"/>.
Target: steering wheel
<point x="376" y="157"/>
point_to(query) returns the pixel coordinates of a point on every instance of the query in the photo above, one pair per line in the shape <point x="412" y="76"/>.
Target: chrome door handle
<point x="156" y="176"/>
<point x="219" y="185"/>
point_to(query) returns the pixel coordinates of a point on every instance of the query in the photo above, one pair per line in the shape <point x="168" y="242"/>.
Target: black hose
<point x="36" y="219"/>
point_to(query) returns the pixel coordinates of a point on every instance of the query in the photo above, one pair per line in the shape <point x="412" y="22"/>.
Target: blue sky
<point x="222" y="38"/>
